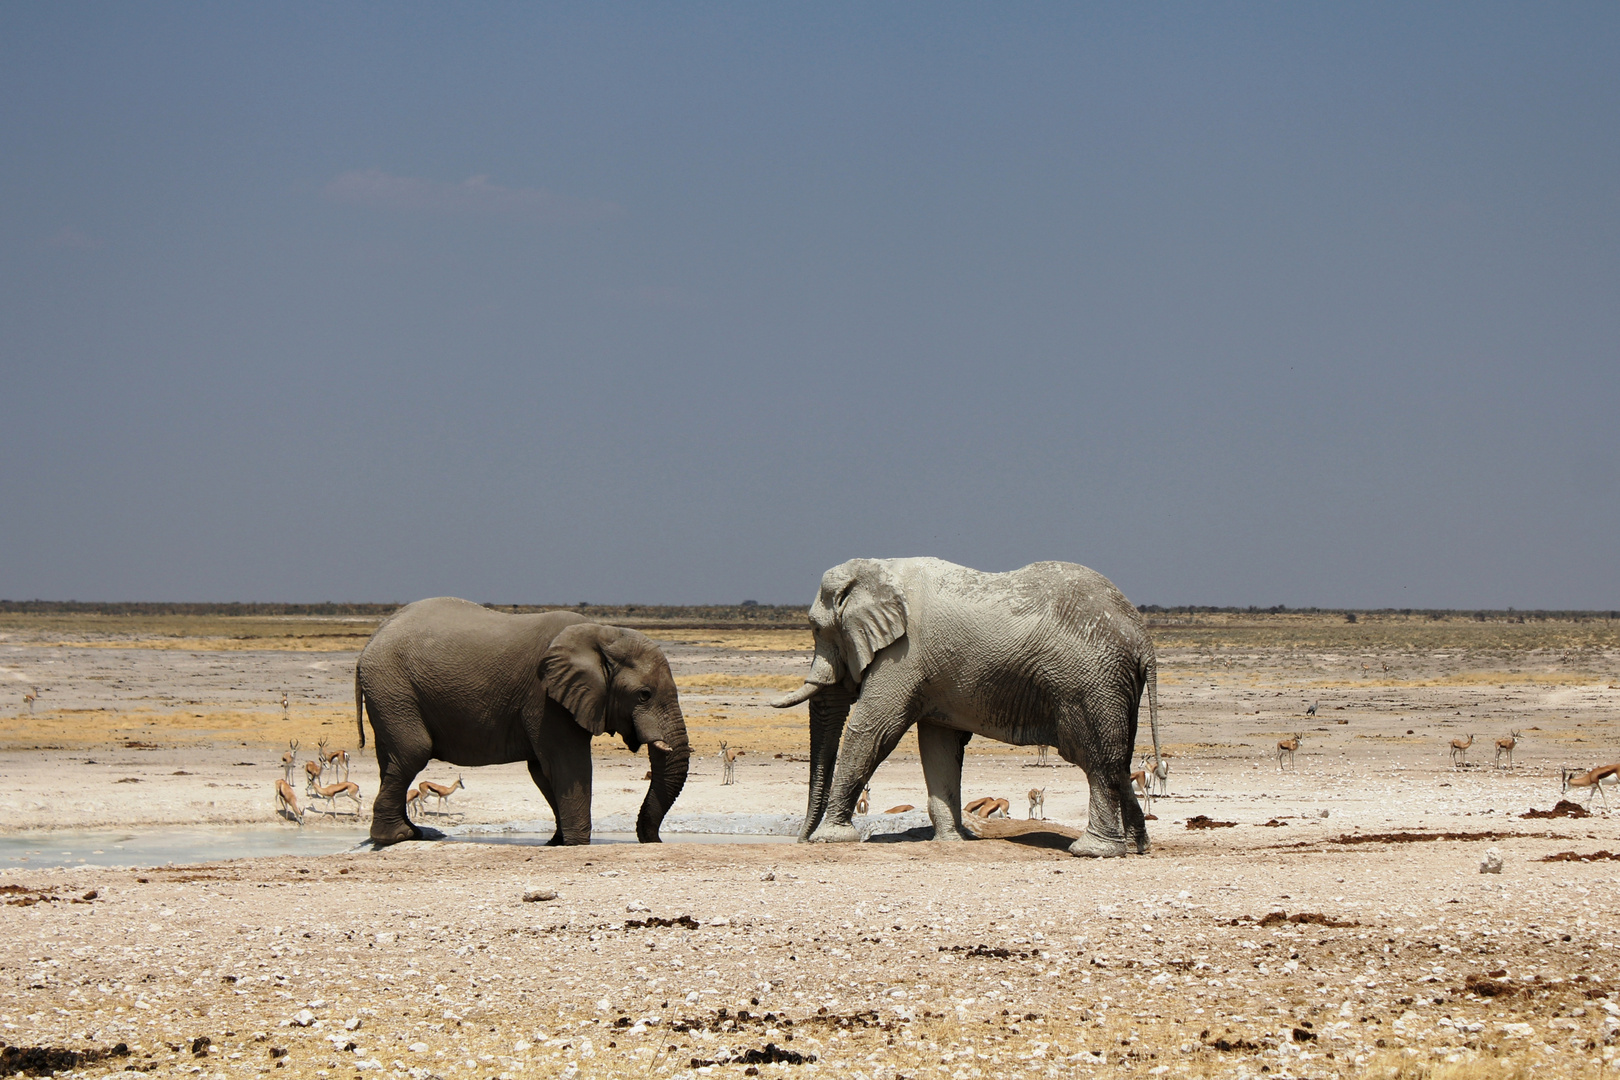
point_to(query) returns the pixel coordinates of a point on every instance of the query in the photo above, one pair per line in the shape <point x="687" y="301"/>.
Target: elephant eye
<point x="644" y="695"/>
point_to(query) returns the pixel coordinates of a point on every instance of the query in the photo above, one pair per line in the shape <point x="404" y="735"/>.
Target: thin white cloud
<point x="475" y="195"/>
<point x="71" y="239"/>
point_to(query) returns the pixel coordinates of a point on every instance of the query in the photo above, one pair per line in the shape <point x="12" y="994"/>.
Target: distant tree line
<point x="749" y="611"/>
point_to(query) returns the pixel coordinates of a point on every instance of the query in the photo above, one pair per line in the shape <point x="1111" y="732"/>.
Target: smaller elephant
<point x="453" y="680"/>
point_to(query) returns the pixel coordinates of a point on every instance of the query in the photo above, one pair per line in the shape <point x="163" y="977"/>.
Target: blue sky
<point x="1238" y="304"/>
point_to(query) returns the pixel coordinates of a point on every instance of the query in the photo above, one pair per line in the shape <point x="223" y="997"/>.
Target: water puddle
<point x="181" y="847"/>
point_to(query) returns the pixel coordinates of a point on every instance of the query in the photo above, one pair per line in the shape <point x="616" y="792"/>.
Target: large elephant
<point x="1052" y="654"/>
<point x="453" y="680"/>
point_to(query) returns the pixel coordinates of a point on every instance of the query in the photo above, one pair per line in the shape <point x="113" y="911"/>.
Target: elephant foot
<point x="1095" y="847"/>
<point x="383" y="836"/>
<point x="835" y="834"/>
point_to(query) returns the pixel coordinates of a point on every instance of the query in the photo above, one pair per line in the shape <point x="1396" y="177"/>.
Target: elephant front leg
<point x="1105" y="836"/>
<point x="563" y="775"/>
<point x="864" y="747"/>
<point x="941" y="750"/>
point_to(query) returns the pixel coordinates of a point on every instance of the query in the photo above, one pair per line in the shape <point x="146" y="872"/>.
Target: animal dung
<point x="1204" y="821"/>
<point x="537" y="895"/>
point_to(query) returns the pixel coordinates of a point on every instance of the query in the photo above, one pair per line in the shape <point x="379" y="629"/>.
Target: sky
<point x="1315" y="305"/>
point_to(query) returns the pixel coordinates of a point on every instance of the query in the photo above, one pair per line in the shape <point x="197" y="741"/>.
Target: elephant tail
<point x="359" y="707"/>
<point x="1151" y="677"/>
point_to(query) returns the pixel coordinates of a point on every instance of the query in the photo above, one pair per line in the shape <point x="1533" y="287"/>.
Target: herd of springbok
<point x="336" y="762"/>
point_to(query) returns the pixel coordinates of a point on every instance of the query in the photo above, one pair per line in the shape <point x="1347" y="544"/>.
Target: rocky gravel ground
<point x="1328" y="919"/>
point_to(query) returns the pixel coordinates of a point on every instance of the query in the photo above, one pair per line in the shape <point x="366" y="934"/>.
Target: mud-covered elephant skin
<point x="1051" y="654"/>
<point x="453" y="680"/>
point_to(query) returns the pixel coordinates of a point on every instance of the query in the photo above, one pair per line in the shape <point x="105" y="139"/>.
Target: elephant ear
<point x="574" y="673"/>
<point x="870" y="612"/>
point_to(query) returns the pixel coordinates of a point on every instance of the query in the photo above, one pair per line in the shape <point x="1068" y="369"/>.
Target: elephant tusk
<point x="803" y="693"/>
<point x="660" y="744"/>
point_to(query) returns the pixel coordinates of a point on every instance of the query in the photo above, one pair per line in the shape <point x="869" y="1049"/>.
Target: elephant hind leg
<point x="398" y="766"/>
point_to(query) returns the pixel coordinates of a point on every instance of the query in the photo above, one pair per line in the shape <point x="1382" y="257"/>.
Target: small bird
<point x="1312" y="710"/>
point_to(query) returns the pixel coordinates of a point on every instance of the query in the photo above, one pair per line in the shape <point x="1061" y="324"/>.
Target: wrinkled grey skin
<point x="1050" y="654"/>
<point x="453" y="680"/>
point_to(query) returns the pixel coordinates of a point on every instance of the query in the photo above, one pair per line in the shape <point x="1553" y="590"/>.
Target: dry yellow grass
<point x="742" y="640"/>
<point x="77" y="728"/>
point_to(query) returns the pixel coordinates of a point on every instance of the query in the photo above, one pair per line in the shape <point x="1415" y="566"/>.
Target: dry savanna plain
<point x="1330" y="919"/>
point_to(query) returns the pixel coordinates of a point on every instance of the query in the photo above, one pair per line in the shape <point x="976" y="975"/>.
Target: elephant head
<point x="859" y="610"/>
<point x="617" y="681"/>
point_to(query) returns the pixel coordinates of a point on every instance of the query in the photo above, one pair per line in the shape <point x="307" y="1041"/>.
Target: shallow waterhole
<point x="184" y="846"/>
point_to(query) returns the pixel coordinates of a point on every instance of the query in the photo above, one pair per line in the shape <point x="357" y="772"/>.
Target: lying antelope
<point x="728" y="764"/>
<point x="864" y="803"/>
<point x="287" y="801"/>
<point x="901" y="809"/>
<point x="1596" y="779"/>
<point x="289" y="760"/>
<point x="1459" y="747"/>
<point x="439" y="791"/>
<point x="1505" y="745"/>
<point x="1037" y="804"/>
<point x="332" y="792"/>
<point x="1288" y="746"/>
<point x="988" y="807"/>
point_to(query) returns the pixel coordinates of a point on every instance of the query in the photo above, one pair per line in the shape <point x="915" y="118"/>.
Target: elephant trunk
<point x="828" y="711"/>
<point x="670" y="758"/>
<point x="823" y="673"/>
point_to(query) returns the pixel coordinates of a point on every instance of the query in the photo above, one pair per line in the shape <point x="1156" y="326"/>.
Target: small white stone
<point x="1492" y="863"/>
<point x="303" y="1018"/>
<point x="352" y="1024"/>
<point x="419" y="1048"/>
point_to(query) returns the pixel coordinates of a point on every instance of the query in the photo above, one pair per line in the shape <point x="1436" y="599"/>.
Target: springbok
<point x="313" y="770"/>
<point x="1040" y="756"/>
<point x="284" y="704"/>
<point x="415" y="801"/>
<point x="289" y="760"/>
<point x="988" y="807"/>
<point x="1596" y="779"/>
<point x="331" y="792"/>
<point x="1288" y="746"/>
<point x="1037" y="804"/>
<point x="1311" y="711"/>
<point x="1158" y="775"/>
<point x="439" y="791"/>
<point x="335" y="760"/>
<point x="30" y="697"/>
<point x="901" y="809"/>
<point x="1505" y="745"/>
<point x="728" y="764"/>
<point x="1143" y="787"/>
<point x="287" y="801"/>
<point x="864" y="803"/>
<point x="1459" y="747"/>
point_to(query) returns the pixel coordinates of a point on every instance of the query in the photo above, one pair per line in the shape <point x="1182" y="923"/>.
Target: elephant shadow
<point x="428" y="833"/>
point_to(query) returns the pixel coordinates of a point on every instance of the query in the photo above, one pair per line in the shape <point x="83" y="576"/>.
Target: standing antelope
<point x="415" y="801"/>
<point x="1040" y="755"/>
<point x="312" y="770"/>
<point x="1139" y="780"/>
<point x="1596" y="779"/>
<point x="287" y="801"/>
<point x="1505" y="745"/>
<point x="864" y="803"/>
<point x="1311" y="711"/>
<point x="1288" y="746"/>
<point x="439" y="791"/>
<point x="728" y="764"/>
<point x="289" y="760"/>
<point x="320" y="754"/>
<point x="1037" y="804"/>
<point x="28" y="698"/>
<point x="1158" y="774"/>
<point x="346" y="790"/>
<point x="1459" y="747"/>
<point x="335" y="760"/>
<point x="284" y="704"/>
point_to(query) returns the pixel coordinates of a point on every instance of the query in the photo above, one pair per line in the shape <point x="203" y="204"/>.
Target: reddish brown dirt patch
<point x="1204" y="821"/>
<point x="1565" y="808"/>
<point x="1575" y="856"/>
